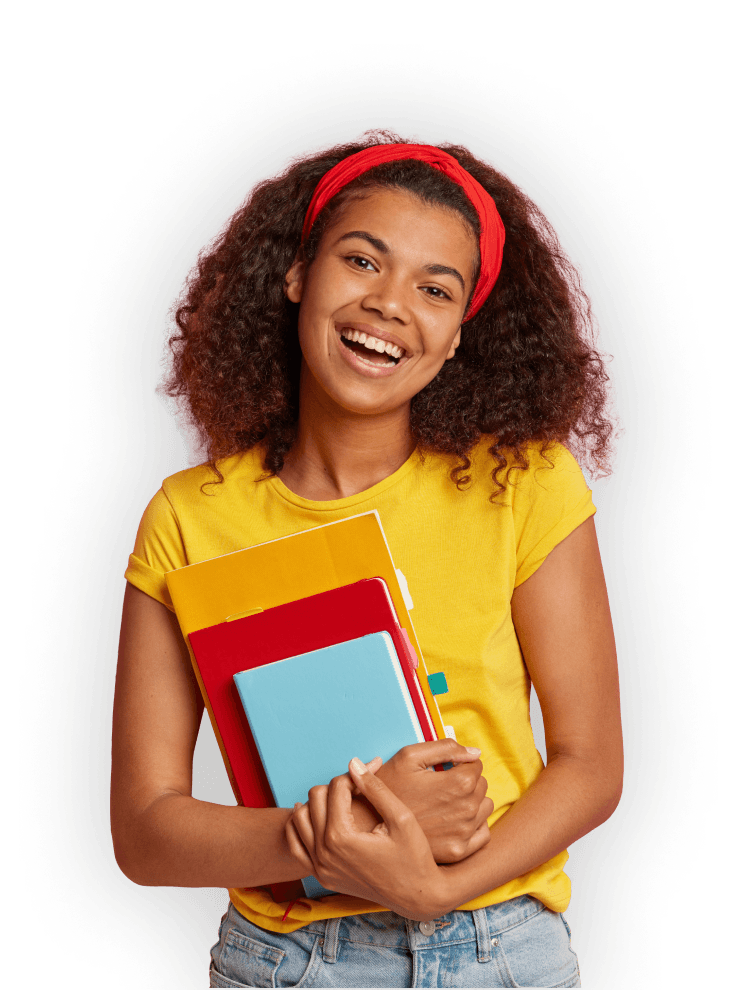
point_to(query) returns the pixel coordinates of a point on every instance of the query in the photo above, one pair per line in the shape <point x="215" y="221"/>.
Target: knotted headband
<point x="492" y="227"/>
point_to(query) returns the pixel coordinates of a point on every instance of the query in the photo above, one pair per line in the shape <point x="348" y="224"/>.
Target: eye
<point x="436" y="292"/>
<point x="359" y="262"/>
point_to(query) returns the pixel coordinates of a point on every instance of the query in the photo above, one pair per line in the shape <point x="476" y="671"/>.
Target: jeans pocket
<point x="249" y="956"/>
<point x="242" y="961"/>
<point x="538" y="953"/>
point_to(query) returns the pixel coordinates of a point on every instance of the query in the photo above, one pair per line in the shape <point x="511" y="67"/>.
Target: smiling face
<point x="382" y="301"/>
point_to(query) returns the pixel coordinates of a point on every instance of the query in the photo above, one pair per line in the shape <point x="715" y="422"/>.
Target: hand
<point x="451" y="806"/>
<point x="364" y="816"/>
<point x="392" y="865"/>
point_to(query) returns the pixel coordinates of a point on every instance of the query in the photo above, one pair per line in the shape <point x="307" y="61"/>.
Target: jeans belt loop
<point x="482" y="935"/>
<point x="330" y="940"/>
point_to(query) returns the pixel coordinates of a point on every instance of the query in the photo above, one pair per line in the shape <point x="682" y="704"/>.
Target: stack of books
<point x="306" y="656"/>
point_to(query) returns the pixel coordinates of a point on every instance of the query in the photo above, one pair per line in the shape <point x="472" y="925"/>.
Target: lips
<point x="371" y="343"/>
<point x="368" y="352"/>
<point x="354" y="331"/>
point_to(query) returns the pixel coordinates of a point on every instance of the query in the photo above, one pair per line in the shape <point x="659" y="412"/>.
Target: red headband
<point x="492" y="227"/>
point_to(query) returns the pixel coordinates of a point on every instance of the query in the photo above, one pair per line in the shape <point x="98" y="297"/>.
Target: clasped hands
<point x="394" y="846"/>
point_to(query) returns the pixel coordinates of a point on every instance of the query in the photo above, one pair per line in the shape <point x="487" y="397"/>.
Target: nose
<point x="389" y="298"/>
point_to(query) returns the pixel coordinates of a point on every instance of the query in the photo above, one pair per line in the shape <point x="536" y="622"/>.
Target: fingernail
<point x="358" y="766"/>
<point x="473" y="750"/>
<point x="297" y="805"/>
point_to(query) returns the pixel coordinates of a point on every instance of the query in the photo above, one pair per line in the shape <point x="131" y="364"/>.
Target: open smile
<point x="370" y="343"/>
<point x="369" y="349"/>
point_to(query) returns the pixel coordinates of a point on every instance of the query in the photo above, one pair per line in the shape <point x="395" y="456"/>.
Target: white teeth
<point x="373" y="343"/>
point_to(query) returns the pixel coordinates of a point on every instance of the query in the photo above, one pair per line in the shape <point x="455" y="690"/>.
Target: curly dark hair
<point x="526" y="369"/>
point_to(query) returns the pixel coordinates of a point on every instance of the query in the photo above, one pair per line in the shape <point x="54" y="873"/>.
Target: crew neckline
<point x="330" y="505"/>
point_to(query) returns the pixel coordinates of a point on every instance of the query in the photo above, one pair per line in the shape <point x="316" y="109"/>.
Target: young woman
<point x="390" y="326"/>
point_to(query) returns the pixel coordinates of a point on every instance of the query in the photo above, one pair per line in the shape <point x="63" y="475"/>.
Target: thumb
<point x="373" y="766"/>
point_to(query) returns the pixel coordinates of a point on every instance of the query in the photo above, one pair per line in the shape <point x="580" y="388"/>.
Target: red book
<point x="284" y="631"/>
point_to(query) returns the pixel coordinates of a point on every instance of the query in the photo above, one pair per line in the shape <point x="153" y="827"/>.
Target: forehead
<point x="407" y="224"/>
<point x="387" y="205"/>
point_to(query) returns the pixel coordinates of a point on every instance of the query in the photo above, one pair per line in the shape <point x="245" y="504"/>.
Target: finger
<point x="481" y="787"/>
<point x="482" y="807"/>
<point x="396" y="815"/>
<point x="485" y="811"/>
<point x="373" y="766"/>
<point x="304" y="827"/>
<point x="297" y="847"/>
<point x="317" y="800"/>
<point x="428" y="754"/>
<point x="472" y="773"/>
<point x="480" y="838"/>
<point x="340" y="817"/>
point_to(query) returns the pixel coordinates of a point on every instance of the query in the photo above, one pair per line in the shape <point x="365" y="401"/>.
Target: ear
<point x="294" y="281"/>
<point x="454" y="345"/>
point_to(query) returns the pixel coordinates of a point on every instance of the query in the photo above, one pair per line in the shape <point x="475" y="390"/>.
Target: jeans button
<point x="427" y="927"/>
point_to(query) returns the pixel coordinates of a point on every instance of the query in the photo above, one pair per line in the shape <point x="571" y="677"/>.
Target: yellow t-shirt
<point x="462" y="556"/>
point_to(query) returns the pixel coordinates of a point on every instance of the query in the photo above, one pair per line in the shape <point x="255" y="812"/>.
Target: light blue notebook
<point x="311" y="713"/>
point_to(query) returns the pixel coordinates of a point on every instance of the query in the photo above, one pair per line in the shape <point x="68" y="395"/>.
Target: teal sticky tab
<point x="438" y="683"/>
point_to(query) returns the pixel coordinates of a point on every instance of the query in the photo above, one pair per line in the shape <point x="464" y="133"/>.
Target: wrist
<point x="428" y="904"/>
<point x="443" y="898"/>
<point x="446" y="894"/>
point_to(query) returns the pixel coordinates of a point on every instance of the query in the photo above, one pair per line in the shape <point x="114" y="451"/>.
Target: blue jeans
<point x="519" y="943"/>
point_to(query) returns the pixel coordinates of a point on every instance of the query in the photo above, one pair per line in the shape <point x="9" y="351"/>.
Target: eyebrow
<point x="382" y="247"/>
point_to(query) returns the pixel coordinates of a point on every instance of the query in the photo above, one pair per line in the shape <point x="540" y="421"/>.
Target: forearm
<point x="569" y="798"/>
<point x="179" y="841"/>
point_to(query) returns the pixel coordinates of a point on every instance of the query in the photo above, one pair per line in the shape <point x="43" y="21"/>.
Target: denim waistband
<point x="519" y="943"/>
<point x="389" y="929"/>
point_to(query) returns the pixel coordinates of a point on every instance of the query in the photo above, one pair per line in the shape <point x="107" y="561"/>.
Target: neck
<point x="338" y="454"/>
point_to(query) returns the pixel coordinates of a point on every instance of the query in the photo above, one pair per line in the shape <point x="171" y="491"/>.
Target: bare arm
<point x="161" y="834"/>
<point x="562" y="618"/>
<point x="164" y="836"/>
